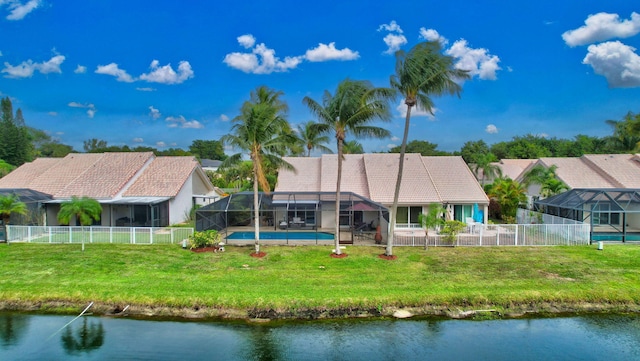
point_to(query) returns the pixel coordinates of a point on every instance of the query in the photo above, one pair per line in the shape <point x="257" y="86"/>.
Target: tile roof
<point x="293" y="181"/>
<point x="353" y="179"/>
<point x="513" y="168"/>
<point x="425" y="180"/>
<point x="576" y="173"/>
<point x="103" y="175"/>
<point x="622" y="170"/>
<point x="452" y="178"/>
<point x="164" y="177"/>
<point x="107" y="176"/>
<point x="416" y="188"/>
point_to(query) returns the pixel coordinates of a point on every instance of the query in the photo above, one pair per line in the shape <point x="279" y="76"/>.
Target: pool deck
<point x="359" y="238"/>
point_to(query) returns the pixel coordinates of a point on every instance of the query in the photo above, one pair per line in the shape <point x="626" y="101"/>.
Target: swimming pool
<point x="312" y="236"/>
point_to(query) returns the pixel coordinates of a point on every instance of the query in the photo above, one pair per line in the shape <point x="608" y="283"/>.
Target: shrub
<point x="210" y="238"/>
<point x="451" y="230"/>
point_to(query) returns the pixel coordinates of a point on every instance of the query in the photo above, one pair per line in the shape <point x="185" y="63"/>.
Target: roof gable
<point x="163" y="177"/>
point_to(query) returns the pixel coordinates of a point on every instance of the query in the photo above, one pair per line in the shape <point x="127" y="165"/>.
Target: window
<point x="602" y="215"/>
<point x="408" y="215"/>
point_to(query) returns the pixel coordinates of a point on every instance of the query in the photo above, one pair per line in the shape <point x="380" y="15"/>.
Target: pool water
<point x="282" y="235"/>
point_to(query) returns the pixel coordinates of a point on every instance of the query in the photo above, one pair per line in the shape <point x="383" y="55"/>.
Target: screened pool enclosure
<point x="614" y="214"/>
<point x="296" y="215"/>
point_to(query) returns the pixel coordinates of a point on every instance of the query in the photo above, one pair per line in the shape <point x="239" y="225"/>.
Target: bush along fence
<point x="502" y="235"/>
<point x="131" y="235"/>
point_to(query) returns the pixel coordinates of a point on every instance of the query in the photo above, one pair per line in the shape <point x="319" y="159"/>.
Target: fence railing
<point x="132" y="235"/>
<point x="504" y="235"/>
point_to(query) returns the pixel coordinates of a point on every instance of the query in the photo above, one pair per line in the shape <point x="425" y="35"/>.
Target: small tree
<point x="84" y="209"/>
<point x="433" y="219"/>
<point x="451" y="230"/>
<point x="10" y="204"/>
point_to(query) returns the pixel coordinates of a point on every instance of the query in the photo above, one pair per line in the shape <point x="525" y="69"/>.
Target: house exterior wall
<point x="180" y="206"/>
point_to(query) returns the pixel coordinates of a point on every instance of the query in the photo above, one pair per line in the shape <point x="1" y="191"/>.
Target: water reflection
<point x="609" y="337"/>
<point x="88" y="336"/>
<point x="12" y="328"/>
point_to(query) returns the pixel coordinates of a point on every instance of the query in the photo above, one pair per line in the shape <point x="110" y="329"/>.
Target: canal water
<point x="42" y="337"/>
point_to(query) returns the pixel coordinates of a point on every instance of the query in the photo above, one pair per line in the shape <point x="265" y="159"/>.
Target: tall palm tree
<point x="10" y="204"/>
<point x="262" y="131"/>
<point x="310" y="136"/>
<point x="485" y="163"/>
<point x="351" y="109"/>
<point x="421" y="72"/>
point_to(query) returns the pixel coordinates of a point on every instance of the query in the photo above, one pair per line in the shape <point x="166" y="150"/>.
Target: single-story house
<point x="134" y="189"/>
<point x="446" y="180"/>
<point x="604" y="190"/>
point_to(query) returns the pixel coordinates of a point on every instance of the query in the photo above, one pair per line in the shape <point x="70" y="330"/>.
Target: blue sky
<point x="163" y="73"/>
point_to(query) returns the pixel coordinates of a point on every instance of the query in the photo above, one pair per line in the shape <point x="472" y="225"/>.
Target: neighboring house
<point x="210" y="165"/>
<point x="134" y="189"/>
<point x="599" y="171"/>
<point x="604" y="190"/>
<point x="446" y="180"/>
<point x="509" y="168"/>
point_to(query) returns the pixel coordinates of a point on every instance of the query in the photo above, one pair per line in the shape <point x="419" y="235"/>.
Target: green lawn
<point x="291" y="278"/>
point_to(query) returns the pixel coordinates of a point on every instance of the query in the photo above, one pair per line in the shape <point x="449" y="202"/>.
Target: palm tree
<point x="10" y="204"/>
<point x="485" y="163"/>
<point x="262" y="131"/>
<point x="351" y="109"/>
<point x="421" y="72"/>
<point x="352" y="147"/>
<point x="310" y="136"/>
<point x="547" y="179"/>
<point x="509" y="194"/>
<point x="84" y="209"/>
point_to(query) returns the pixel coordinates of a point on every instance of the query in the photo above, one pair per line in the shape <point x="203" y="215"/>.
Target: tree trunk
<point x="256" y="210"/>
<point x="396" y="194"/>
<point x="337" y="238"/>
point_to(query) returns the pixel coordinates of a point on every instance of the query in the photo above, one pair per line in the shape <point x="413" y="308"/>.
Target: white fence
<point x="132" y="235"/>
<point x="526" y="216"/>
<point x="504" y="235"/>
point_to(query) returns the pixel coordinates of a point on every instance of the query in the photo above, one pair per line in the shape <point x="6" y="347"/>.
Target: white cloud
<point x="147" y="89"/>
<point x="182" y="122"/>
<point x="18" y="10"/>
<point x="224" y="117"/>
<point x="161" y="144"/>
<point x="166" y="75"/>
<point x="154" y="113"/>
<point x="491" y="129"/>
<point x="0" y="53"/>
<point x="261" y="60"/>
<point x="394" y="40"/>
<point x="325" y="52"/>
<point x="91" y="109"/>
<point x="432" y="35"/>
<point x="395" y="139"/>
<point x="28" y="67"/>
<point x="617" y="62"/>
<point x="247" y="41"/>
<point x="53" y="114"/>
<point x="112" y="69"/>
<point x="138" y="140"/>
<point x="601" y="27"/>
<point x="477" y="61"/>
<point x="392" y="26"/>
<point x="80" y="69"/>
<point x="415" y="111"/>
<point x="391" y="145"/>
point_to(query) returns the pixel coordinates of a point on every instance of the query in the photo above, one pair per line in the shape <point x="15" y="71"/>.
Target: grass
<point x="291" y="278"/>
